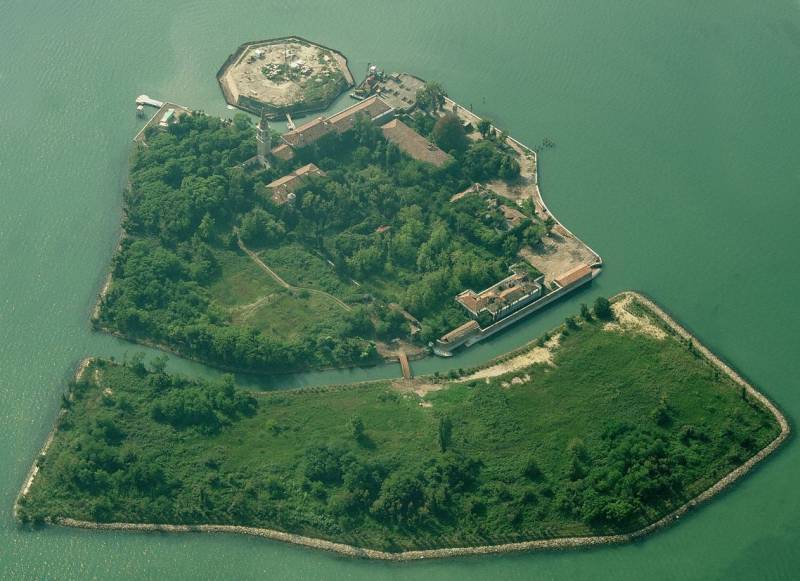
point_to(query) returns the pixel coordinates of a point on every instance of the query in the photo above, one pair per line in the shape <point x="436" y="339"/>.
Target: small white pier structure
<point x="145" y="100"/>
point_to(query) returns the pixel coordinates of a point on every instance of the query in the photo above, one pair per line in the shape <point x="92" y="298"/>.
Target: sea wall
<point x="83" y="364"/>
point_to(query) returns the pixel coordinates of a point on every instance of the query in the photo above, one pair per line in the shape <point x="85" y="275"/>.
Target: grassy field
<point x="241" y="281"/>
<point x="300" y="267"/>
<point x="254" y="299"/>
<point x="622" y="428"/>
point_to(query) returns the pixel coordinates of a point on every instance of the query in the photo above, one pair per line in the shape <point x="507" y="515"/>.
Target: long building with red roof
<point x="375" y="108"/>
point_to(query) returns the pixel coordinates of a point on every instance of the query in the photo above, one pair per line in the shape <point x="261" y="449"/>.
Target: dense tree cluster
<point x="368" y="466"/>
<point x="380" y="217"/>
<point x="448" y="133"/>
<point x="431" y="96"/>
<point x="208" y="406"/>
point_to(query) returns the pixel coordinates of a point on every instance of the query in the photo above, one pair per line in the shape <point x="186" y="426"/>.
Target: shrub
<point x="602" y="308"/>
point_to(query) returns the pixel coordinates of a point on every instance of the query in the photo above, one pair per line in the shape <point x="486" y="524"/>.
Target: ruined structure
<point x="284" y="75"/>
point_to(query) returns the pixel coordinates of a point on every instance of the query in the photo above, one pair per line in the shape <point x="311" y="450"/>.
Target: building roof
<point x="307" y="133"/>
<point x="572" y="276"/>
<point x="513" y="216"/>
<point x="342" y="121"/>
<point x="282" y="187"/>
<point x="372" y="106"/>
<point x="499" y="295"/>
<point x="413" y="144"/>
<point x="511" y="293"/>
<point x="283" y="151"/>
<point x="460" y="332"/>
<point x="470" y="300"/>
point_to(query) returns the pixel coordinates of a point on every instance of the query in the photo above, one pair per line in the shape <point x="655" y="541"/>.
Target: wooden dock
<point x="404" y="365"/>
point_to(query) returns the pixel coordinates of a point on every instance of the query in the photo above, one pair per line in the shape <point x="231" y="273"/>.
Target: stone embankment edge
<point x="34" y="469"/>
<point x="95" y="317"/>
<point x="541" y="544"/>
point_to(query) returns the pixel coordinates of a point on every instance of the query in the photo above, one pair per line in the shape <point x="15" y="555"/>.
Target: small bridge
<point x="404" y="365"/>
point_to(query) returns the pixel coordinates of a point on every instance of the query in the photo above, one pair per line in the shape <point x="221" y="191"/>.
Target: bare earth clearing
<point x="626" y="321"/>
<point x="292" y="66"/>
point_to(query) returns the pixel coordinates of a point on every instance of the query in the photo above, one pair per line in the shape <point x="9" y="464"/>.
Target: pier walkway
<point x="145" y="100"/>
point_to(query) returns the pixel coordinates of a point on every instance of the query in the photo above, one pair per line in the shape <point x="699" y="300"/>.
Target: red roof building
<point x="283" y="188"/>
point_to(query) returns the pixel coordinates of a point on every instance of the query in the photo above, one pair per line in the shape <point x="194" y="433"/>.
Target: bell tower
<point x="263" y="139"/>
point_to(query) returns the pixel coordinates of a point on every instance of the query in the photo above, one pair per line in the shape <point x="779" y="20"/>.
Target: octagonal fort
<point x="284" y="75"/>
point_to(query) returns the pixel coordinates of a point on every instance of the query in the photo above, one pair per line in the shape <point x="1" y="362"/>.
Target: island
<point x="402" y="226"/>
<point x="604" y="429"/>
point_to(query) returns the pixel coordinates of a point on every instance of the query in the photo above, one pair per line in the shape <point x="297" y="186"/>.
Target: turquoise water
<point x="677" y="137"/>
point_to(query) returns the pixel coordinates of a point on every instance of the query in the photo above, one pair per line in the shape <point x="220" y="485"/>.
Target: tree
<point x="431" y="96"/>
<point x="258" y="226"/>
<point x="206" y="228"/>
<point x="602" y="309"/>
<point x="532" y="470"/>
<point x="159" y="364"/>
<point x="355" y="426"/>
<point x="366" y="261"/>
<point x="509" y="168"/>
<point x="484" y="125"/>
<point x="662" y="414"/>
<point x="449" y="134"/>
<point x="445" y="431"/>
<point x="585" y="312"/>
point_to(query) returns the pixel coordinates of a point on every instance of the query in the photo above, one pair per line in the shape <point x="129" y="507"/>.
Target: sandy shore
<point x="547" y="544"/>
<point x="531" y="356"/>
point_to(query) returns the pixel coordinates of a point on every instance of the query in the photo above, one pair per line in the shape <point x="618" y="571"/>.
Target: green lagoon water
<point x="678" y="131"/>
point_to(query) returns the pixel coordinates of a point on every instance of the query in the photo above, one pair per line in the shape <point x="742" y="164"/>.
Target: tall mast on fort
<point x="263" y="139"/>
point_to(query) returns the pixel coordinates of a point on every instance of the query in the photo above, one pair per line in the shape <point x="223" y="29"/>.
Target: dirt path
<point x="244" y="312"/>
<point x="263" y="265"/>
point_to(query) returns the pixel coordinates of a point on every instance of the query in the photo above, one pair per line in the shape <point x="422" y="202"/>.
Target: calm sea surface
<point x="677" y="129"/>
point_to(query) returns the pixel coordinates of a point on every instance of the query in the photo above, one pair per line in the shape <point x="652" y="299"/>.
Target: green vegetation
<point x="431" y="97"/>
<point x="301" y="267"/>
<point x="321" y="93"/>
<point x="602" y="308"/>
<point x="622" y="429"/>
<point x="377" y="231"/>
<point x="449" y="134"/>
